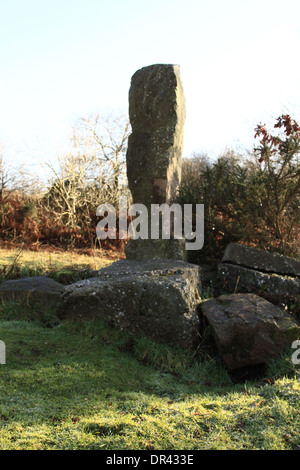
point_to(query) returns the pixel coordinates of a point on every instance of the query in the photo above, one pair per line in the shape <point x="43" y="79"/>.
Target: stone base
<point x="158" y="298"/>
<point x="150" y="249"/>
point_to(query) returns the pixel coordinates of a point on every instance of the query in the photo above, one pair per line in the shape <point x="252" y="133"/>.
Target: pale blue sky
<point x="62" y="59"/>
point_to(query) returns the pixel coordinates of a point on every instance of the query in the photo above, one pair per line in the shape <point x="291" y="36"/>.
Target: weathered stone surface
<point x="151" y="268"/>
<point x="250" y="280"/>
<point x="150" y="249"/>
<point x="157" y="116"/>
<point x="40" y="289"/>
<point x="157" y="297"/>
<point x="261" y="260"/>
<point x="248" y="330"/>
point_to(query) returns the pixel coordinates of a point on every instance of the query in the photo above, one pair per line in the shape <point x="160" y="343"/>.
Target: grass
<point x="64" y="267"/>
<point x="87" y="386"/>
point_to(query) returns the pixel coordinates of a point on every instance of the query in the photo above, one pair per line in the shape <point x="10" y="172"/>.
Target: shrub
<point x="253" y="200"/>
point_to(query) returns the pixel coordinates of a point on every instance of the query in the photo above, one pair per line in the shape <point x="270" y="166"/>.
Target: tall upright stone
<point x="157" y="117"/>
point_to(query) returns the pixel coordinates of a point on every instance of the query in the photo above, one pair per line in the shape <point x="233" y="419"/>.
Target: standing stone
<point x="157" y="116"/>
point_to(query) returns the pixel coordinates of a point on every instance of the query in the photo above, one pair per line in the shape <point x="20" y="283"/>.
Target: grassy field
<point x="87" y="386"/>
<point x="43" y="261"/>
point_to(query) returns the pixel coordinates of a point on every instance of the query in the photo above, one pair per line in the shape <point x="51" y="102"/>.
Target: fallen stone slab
<point x="260" y="260"/>
<point x="238" y="277"/>
<point x="39" y="289"/>
<point x="248" y="330"/>
<point x="158" y="298"/>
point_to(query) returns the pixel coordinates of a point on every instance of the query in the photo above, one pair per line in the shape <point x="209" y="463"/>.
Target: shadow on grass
<point x="90" y="386"/>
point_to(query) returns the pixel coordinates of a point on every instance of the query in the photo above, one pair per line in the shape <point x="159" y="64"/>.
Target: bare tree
<point x="107" y="137"/>
<point x="18" y="179"/>
<point x="7" y="177"/>
<point x="92" y="172"/>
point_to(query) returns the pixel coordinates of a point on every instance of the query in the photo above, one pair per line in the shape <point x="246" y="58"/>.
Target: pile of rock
<point x="248" y="329"/>
<point x="161" y="299"/>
